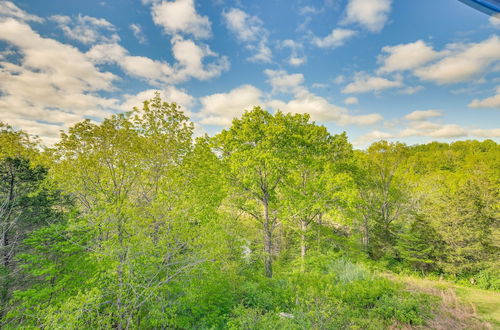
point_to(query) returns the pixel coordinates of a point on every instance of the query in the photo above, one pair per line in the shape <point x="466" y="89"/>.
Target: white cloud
<point x="418" y="126"/>
<point x="490" y="102"/>
<point x="169" y="94"/>
<point x="86" y="29"/>
<point x="319" y="85"/>
<point x="180" y="16"/>
<point x="139" y="35"/>
<point x="309" y="10"/>
<point x="410" y="90"/>
<point x="336" y="38"/>
<point x="9" y="9"/>
<point x="405" y="56"/>
<point x="351" y="100"/>
<point x="495" y="21"/>
<point x="250" y="31"/>
<point x="448" y="131"/>
<point x="304" y="101"/>
<point x="487" y="133"/>
<point x="419" y="115"/>
<point x="373" y="136"/>
<point x="190" y="62"/>
<point x="221" y="108"/>
<point x="297" y="57"/>
<point x="435" y="130"/>
<point x="52" y="86"/>
<point x="364" y="83"/>
<point x="246" y="28"/>
<point x="190" y="59"/>
<point x="321" y="110"/>
<point x="372" y="14"/>
<point x="282" y="82"/>
<point x="340" y="79"/>
<point x="464" y="62"/>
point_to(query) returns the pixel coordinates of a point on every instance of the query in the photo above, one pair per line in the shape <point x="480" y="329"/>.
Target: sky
<point x="410" y="71"/>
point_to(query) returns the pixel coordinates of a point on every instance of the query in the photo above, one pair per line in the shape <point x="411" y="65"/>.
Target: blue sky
<point x="412" y="71"/>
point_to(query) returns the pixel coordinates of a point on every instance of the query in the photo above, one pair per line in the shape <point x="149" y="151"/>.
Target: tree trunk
<point x="6" y="254"/>
<point x="366" y="233"/>
<point x="303" y="247"/>
<point x="320" y="223"/>
<point x="268" y="240"/>
<point x="121" y="258"/>
<point x="6" y="223"/>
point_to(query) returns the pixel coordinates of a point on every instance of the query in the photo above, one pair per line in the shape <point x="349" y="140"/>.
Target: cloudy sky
<point x="413" y="71"/>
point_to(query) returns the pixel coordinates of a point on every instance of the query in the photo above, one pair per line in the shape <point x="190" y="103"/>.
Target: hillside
<point x="273" y="223"/>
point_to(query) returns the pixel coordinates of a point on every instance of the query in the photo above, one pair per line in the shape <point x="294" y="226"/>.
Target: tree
<point x="382" y="195"/>
<point x="315" y="180"/>
<point x="26" y="201"/>
<point x="419" y="245"/>
<point x="465" y="212"/>
<point x="126" y="174"/>
<point x="258" y="151"/>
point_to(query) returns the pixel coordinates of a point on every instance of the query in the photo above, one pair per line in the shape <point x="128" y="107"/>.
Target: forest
<point x="273" y="223"/>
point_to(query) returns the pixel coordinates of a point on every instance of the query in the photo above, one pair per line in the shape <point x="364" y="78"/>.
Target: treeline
<point x="272" y="223"/>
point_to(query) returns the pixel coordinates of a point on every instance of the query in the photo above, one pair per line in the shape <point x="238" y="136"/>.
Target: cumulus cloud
<point x="372" y="137"/>
<point x="220" y="109"/>
<point x="322" y="110"/>
<point x="364" y="83"/>
<point x="168" y="94"/>
<point x="309" y="10"/>
<point x="486" y="133"/>
<point x="9" y="9"/>
<point x="190" y="62"/>
<point x="419" y="115"/>
<point x="180" y="16"/>
<point x="495" y="21"/>
<point x="336" y="38"/>
<point x="410" y="90"/>
<point x="305" y="101"/>
<point x="86" y="29"/>
<point x="51" y="82"/>
<point x="490" y="102"/>
<point x="419" y="126"/>
<point x="351" y="100"/>
<point x="297" y="56"/>
<point x="250" y="31"/>
<point x="405" y="56"/>
<point x="464" y="62"/>
<point x="282" y="82"/>
<point x="371" y="14"/>
<point x="448" y="131"/>
<point x="138" y="34"/>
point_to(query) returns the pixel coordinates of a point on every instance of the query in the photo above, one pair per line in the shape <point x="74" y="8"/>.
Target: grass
<point x="487" y="303"/>
<point x="461" y="307"/>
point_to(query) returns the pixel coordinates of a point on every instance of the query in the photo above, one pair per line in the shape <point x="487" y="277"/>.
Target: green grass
<point x="487" y="303"/>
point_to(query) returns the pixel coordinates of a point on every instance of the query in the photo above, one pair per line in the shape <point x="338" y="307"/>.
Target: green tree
<point x="126" y="174"/>
<point x="419" y="245"/>
<point x="26" y="202"/>
<point x="258" y="152"/>
<point x="382" y="194"/>
<point x="315" y="180"/>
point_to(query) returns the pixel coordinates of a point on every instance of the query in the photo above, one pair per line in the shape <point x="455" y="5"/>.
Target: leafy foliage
<point x="132" y="223"/>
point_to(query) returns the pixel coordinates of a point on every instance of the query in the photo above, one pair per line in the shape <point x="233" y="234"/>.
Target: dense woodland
<point x="274" y="223"/>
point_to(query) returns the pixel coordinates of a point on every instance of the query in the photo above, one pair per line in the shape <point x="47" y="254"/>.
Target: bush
<point x="255" y="318"/>
<point x="488" y="279"/>
<point x="405" y="307"/>
<point x="347" y="271"/>
<point x="266" y="294"/>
